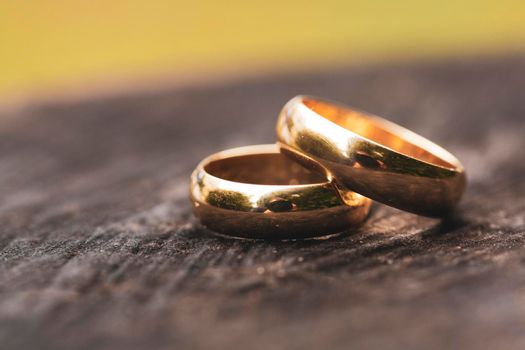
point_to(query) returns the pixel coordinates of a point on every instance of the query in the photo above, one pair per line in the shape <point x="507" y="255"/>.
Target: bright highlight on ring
<point x="371" y="156"/>
<point x="256" y="192"/>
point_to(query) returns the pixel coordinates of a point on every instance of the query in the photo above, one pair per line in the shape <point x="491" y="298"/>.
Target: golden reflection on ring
<point x="372" y="156"/>
<point x="257" y="192"/>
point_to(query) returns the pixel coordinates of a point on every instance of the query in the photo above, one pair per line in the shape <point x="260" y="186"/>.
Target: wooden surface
<point x="99" y="250"/>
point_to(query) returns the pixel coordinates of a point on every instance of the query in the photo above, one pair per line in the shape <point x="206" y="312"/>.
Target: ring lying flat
<point x="371" y="156"/>
<point x="256" y="192"/>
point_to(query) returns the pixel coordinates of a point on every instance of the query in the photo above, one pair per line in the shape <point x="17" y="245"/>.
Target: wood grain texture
<point x="99" y="249"/>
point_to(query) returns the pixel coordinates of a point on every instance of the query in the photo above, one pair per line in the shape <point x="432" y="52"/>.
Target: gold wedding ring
<point x="371" y="156"/>
<point x="256" y="192"/>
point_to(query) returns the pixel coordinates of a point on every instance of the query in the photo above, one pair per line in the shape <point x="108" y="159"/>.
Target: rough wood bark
<point x="99" y="249"/>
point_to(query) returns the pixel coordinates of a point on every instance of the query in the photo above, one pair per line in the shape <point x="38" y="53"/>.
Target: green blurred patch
<point x="57" y="43"/>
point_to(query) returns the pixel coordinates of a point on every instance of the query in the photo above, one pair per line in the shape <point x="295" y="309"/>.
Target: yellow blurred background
<point x="58" y="44"/>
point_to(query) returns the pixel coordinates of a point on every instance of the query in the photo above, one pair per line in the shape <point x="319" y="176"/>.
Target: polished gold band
<point x="257" y="192"/>
<point x="371" y="156"/>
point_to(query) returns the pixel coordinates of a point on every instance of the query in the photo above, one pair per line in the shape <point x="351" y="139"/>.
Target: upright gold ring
<point x="371" y="156"/>
<point x="256" y="192"/>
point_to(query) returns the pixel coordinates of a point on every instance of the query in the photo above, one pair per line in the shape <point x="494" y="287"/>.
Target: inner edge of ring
<point x="262" y="169"/>
<point x="383" y="133"/>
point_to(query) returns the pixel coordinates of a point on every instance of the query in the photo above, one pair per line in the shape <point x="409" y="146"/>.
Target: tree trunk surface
<point x="99" y="248"/>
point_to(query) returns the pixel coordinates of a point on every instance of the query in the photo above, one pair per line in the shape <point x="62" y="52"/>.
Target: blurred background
<point x="55" y="46"/>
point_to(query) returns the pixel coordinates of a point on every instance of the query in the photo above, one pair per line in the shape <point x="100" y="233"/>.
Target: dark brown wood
<point x="99" y="250"/>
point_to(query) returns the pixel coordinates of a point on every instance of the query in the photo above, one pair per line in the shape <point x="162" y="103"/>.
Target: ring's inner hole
<point x="262" y="169"/>
<point x="363" y="125"/>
